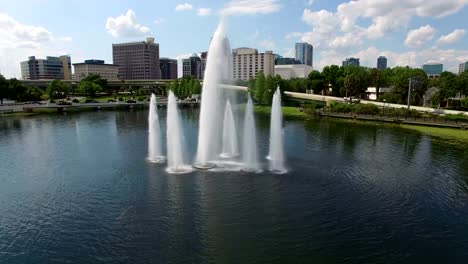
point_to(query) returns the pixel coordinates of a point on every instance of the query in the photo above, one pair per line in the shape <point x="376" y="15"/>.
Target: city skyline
<point x="425" y="32"/>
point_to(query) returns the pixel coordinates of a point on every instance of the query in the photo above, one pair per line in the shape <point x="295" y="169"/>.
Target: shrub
<point x="121" y="99"/>
<point x="367" y="109"/>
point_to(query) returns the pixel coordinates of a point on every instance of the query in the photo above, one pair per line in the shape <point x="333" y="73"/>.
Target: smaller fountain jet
<point x="230" y="147"/>
<point x="276" y="151"/>
<point x="154" y="133"/>
<point x="175" y="139"/>
<point x="249" y="146"/>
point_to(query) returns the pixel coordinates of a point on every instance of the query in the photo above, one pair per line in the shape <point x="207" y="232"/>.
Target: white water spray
<point x="276" y="152"/>
<point x="175" y="139"/>
<point x="249" y="146"/>
<point x="230" y="147"/>
<point x="217" y="67"/>
<point x="154" y="133"/>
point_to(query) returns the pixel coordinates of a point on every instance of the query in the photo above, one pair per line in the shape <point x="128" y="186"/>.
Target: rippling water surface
<point x="77" y="189"/>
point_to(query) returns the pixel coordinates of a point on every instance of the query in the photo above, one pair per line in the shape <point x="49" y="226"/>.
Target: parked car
<point x="76" y="101"/>
<point x="131" y="101"/>
<point x="33" y="102"/>
<point x="351" y="100"/>
<point x="63" y="103"/>
<point x="90" y="101"/>
<point x="111" y="101"/>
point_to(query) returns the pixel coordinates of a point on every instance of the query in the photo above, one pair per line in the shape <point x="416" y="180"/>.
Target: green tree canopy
<point x="4" y="89"/>
<point x="89" y="88"/>
<point x="58" y="89"/>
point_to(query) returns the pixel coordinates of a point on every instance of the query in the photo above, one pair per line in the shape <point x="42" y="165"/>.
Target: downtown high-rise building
<point x="305" y="53"/>
<point x="50" y="68"/>
<point x="247" y="62"/>
<point x="192" y="67"/>
<point x="463" y="67"/>
<point x="351" y="61"/>
<point x="137" y="60"/>
<point x="381" y="63"/>
<point x="168" y="69"/>
<point x="433" y="70"/>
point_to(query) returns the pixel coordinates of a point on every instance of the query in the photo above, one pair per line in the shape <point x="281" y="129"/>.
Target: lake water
<point x="76" y="189"/>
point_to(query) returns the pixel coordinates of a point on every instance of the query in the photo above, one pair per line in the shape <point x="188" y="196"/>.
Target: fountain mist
<point x="230" y="147"/>
<point x="249" y="146"/>
<point x="154" y="133"/>
<point x="217" y="68"/>
<point x="175" y="139"/>
<point x="276" y="152"/>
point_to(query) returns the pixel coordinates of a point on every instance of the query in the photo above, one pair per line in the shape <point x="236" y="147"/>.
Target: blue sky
<point x="410" y="32"/>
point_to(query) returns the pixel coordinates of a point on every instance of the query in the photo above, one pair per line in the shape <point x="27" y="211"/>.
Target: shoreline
<point x="290" y="113"/>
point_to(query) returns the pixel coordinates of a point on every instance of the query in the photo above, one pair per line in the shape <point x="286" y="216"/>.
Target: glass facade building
<point x="168" y="68"/>
<point x="50" y="68"/>
<point x="381" y="63"/>
<point x="351" y="61"/>
<point x="304" y="53"/>
<point x="433" y="69"/>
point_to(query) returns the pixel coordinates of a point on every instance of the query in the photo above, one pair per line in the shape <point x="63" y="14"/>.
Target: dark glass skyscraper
<point x="351" y="61"/>
<point x="381" y="63"/>
<point x="305" y="53"/>
<point x="168" y="68"/>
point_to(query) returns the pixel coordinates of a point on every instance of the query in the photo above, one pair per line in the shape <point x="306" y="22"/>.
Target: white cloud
<point x="183" y="7"/>
<point x="289" y="53"/>
<point x="453" y="37"/>
<point x="250" y="7"/>
<point x="204" y="11"/>
<point x="420" y="36"/>
<point x="322" y="21"/>
<point x="159" y="20"/>
<point x="125" y="26"/>
<point x="65" y="39"/>
<point x="19" y="41"/>
<point x="267" y="44"/>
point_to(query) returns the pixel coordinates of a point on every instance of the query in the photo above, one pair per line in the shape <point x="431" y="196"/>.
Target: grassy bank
<point x="288" y="111"/>
<point x="448" y="133"/>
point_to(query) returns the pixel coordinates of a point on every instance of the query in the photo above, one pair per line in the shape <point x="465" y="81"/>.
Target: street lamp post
<point x="409" y="93"/>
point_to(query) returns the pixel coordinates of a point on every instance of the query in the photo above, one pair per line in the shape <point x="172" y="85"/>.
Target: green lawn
<point x="288" y="111"/>
<point x="449" y="133"/>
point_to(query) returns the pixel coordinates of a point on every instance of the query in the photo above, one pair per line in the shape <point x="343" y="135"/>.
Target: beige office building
<point x="248" y="62"/>
<point x="106" y="71"/>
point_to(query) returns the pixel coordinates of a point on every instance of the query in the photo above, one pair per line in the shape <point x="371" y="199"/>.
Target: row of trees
<point x="354" y="81"/>
<point x="185" y="87"/>
<point x="15" y="90"/>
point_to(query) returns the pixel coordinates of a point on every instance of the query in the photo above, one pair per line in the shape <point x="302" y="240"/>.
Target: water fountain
<point x="230" y="147"/>
<point x="209" y="136"/>
<point x="276" y="153"/>
<point x="175" y="140"/>
<point x="249" y="146"/>
<point x="154" y="133"/>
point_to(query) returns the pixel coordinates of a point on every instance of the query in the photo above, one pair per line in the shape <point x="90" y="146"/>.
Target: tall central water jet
<point x="209" y="134"/>
<point x="249" y="146"/>
<point x="175" y="146"/>
<point x="154" y="133"/>
<point x="276" y="152"/>
<point x="230" y="147"/>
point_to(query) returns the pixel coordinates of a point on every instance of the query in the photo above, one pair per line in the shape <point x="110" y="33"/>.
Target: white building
<point x="293" y="71"/>
<point x="371" y="92"/>
<point x="106" y="71"/>
<point x="248" y="62"/>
